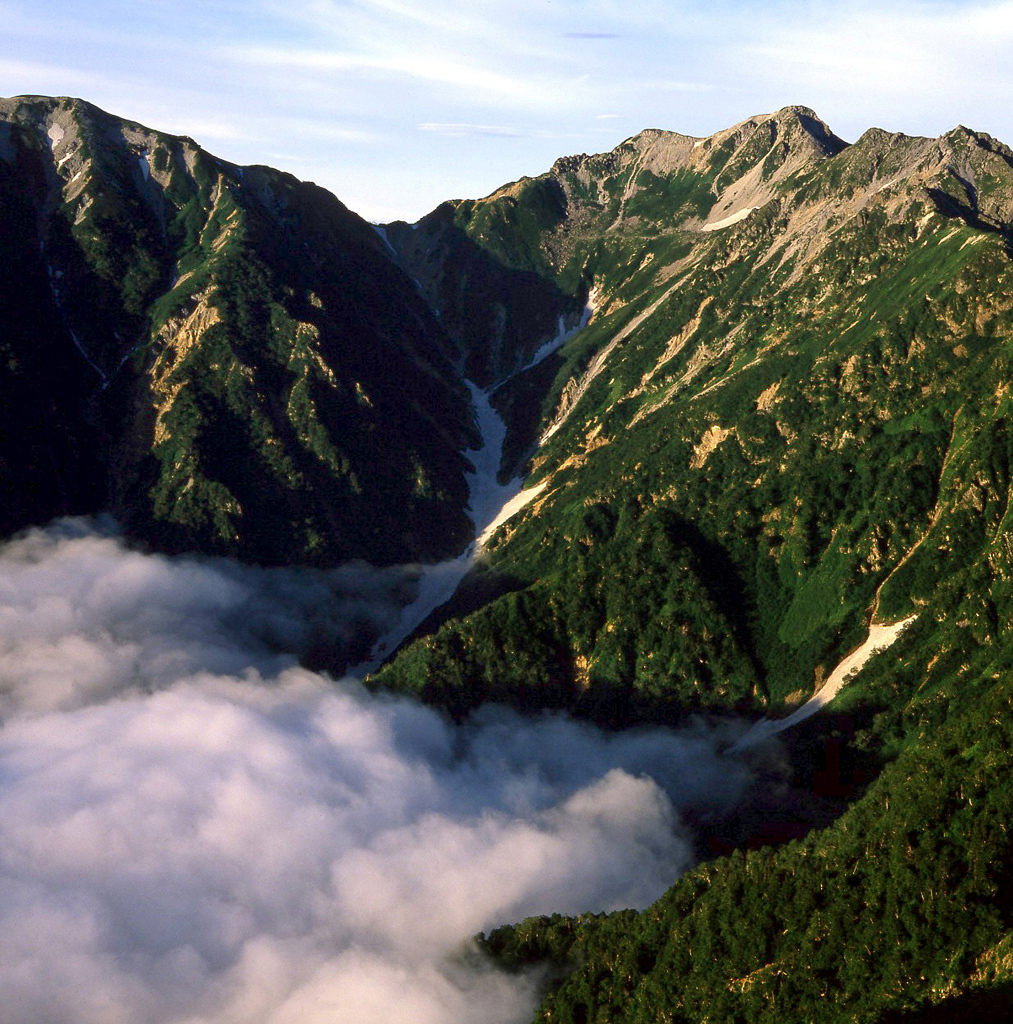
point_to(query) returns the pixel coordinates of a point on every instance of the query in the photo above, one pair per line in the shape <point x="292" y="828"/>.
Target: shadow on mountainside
<point x="827" y="766"/>
<point x="966" y="208"/>
<point x="499" y="306"/>
<point x="992" y="1004"/>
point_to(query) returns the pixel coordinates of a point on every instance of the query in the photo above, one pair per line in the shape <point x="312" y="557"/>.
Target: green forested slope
<point x="904" y="903"/>
<point x="816" y="395"/>
<point x="788" y="418"/>
<point x="236" y="363"/>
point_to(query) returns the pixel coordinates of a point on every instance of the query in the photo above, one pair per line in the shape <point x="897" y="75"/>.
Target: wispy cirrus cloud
<point x="468" y="77"/>
<point x="377" y="69"/>
<point x="39" y="76"/>
<point x="502" y="131"/>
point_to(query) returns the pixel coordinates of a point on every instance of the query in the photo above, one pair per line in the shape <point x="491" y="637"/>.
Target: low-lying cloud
<point x="196" y="829"/>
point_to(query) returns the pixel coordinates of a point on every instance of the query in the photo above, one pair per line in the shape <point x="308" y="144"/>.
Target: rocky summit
<point x="762" y="380"/>
<point x="786" y="423"/>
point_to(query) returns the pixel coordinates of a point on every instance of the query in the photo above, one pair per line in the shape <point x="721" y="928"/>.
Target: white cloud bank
<point x="197" y="830"/>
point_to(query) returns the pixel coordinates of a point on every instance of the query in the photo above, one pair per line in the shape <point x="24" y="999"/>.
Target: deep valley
<point x="750" y="396"/>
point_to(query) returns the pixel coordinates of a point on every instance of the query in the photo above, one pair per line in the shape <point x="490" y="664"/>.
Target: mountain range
<point x="785" y="421"/>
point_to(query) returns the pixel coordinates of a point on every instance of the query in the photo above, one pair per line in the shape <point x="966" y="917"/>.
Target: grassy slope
<point x="833" y="393"/>
<point x="852" y="382"/>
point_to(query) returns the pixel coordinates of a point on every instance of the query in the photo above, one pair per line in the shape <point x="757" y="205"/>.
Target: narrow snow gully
<point x="490" y="504"/>
<point x="562" y="337"/>
<point x="879" y="639"/>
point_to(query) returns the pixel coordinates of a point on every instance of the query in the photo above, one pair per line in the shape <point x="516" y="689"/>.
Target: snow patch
<point x="879" y="639"/>
<point x="382" y="232"/>
<point x="727" y="222"/>
<point x="520" y="500"/>
<point x="55" y="134"/>
<point x="485" y="495"/>
<point x="145" y="166"/>
<point x="562" y="336"/>
<point x="490" y="504"/>
<point x="88" y="359"/>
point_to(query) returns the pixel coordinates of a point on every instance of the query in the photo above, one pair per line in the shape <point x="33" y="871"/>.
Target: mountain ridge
<point x="785" y="421"/>
<point x="770" y="435"/>
<point x="210" y="306"/>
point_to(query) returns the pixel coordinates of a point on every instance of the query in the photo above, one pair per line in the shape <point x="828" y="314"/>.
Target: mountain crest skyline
<point x="755" y="388"/>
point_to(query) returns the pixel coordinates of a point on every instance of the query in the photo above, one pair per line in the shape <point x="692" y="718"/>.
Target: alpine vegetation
<point x="197" y="828"/>
<point x="709" y="434"/>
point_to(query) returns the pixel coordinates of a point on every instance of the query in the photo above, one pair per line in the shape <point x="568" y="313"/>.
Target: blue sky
<point x="395" y="105"/>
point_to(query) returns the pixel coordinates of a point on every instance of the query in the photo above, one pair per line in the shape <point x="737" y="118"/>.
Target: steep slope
<point x="898" y="912"/>
<point x="224" y="356"/>
<point x="547" y="240"/>
<point x="788" y="418"/>
<point x="805" y="391"/>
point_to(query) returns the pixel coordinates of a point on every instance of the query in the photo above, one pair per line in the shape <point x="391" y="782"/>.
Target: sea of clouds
<point x="196" y="829"/>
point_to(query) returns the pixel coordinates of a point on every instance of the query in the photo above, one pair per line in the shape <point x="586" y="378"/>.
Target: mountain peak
<point x="962" y="136"/>
<point x="794" y="124"/>
<point x="769" y="145"/>
<point x="785" y="418"/>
